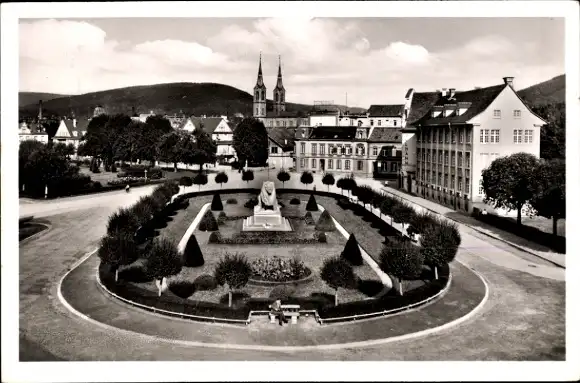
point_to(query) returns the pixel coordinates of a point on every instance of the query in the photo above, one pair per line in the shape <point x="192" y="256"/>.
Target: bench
<point x="292" y="311"/>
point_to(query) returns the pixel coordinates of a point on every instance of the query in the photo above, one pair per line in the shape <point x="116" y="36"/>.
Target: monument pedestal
<point x="266" y="220"/>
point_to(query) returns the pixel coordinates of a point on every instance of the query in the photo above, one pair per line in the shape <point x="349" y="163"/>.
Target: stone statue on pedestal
<point x="267" y="215"/>
<point x="267" y="202"/>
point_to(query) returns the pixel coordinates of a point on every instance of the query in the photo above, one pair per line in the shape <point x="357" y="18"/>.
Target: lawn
<point x="313" y="255"/>
<point x="28" y="229"/>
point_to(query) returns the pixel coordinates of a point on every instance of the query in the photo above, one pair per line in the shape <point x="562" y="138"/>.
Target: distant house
<point x="217" y="128"/>
<point x="26" y="132"/>
<point x="281" y="147"/>
<point x="143" y="116"/>
<point x="70" y="131"/>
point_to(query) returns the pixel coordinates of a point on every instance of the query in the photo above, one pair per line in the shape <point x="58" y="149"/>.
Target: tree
<point x="377" y="202"/>
<point x="233" y="270"/>
<point x="306" y="178"/>
<point x="122" y="221"/>
<point x="402" y="260"/>
<point x="351" y="252"/>
<point x="402" y="213"/>
<point x="340" y="185"/>
<point x="325" y="222"/>
<point x="155" y="127"/>
<point x="283" y="176"/>
<point x="311" y="205"/>
<point x="364" y="194"/>
<point x="200" y="179"/>
<point x="439" y="244"/>
<point x="328" y="180"/>
<point x="247" y="175"/>
<point x="63" y="149"/>
<point x="251" y="142"/>
<point x="388" y="206"/>
<point x="125" y="145"/>
<point x="163" y="260"/>
<point x="145" y="209"/>
<point x="550" y="200"/>
<point x="205" y="148"/>
<point x="208" y="222"/>
<point x="51" y="127"/>
<point x="221" y="178"/>
<point x="553" y="134"/>
<point x="170" y="147"/>
<point x="25" y="151"/>
<point x="510" y="182"/>
<point x="337" y="273"/>
<point x="192" y="255"/>
<point x="45" y="167"/>
<point x="185" y="181"/>
<point x="348" y="183"/>
<point x="118" y="250"/>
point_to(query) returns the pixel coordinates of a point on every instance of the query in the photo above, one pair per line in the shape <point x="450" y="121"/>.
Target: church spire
<point x="279" y="82"/>
<point x="260" y="81"/>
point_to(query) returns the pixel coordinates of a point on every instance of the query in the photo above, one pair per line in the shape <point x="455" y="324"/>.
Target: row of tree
<point x="119" y="138"/>
<point x="522" y="180"/>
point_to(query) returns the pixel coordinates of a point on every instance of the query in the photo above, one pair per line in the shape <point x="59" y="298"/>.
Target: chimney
<point x="285" y="141"/>
<point x="40" y="109"/>
<point x="444" y="92"/>
<point x="451" y="93"/>
<point x="509" y="81"/>
<point x="74" y="123"/>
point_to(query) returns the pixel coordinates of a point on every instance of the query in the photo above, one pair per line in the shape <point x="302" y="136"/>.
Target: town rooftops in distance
<point x="282" y="136"/>
<point x="333" y="133"/>
<point x="385" y="134"/>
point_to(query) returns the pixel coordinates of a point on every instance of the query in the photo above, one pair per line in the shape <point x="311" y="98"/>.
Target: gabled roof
<point x="384" y="134"/>
<point x="67" y="128"/>
<point x="421" y="104"/>
<point x="480" y="99"/>
<point x="210" y="124"/>
<point x="283" y="137"/>
<point x="303" y="129"/>
<point x="385" y="110"/>
<point x="334" y="133"/>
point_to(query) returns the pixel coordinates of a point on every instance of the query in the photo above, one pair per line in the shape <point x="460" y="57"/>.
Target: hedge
<point x="265" y="238"/>
<point x="325" y="222"/>
<point x="311" y="205"/>
<point x="557" y="243"/>
<point x="208" y="222"/>
<point x="139" y="171"/>
<point x="216" y="203"/>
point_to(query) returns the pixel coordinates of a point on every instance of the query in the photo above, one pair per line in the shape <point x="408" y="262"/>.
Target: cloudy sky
<point x="374" y="60"/>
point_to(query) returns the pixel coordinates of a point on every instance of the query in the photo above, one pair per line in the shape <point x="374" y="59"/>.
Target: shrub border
<point x="261" y="312"/>
<point x="263" y="282"/>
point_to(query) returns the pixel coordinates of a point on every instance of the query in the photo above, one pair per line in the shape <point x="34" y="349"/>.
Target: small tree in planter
<point x="216" y="203"/>
<point x="377" y="202"/>
<point x="118" y="250"/>
<point x="325" y="222"/>
<point x="402" y="260"/>
<point x="192" y="255"/>
<point x="200" y="179"/>
<point x="351" y="252"/>
<point x="283" y="176"/>
<point x="340" y="185"/>
<point x="163" y="260"/>
<point x="336" y="272"/>
<point x="233" y="270"/>
<point x="328" y="180"/>
<point x="185" y="181"/>
<point x="364" y="194"/>
<point x="387" y="207"/>
<point x="144" y="209"/>
<point x="348" y="183"/>
<point x="306" y="178"/>
<point x="221" y="178"/>
<point x="247" y="175"/>
<point x="439" y="244"/>
<point x="208" y="222"/>
<point x="311" y="205"/>
<point x="403" y="213"/>
<point x="122" y="221"/>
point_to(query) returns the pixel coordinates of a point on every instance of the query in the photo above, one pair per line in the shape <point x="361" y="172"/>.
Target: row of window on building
<point x="442" y="179"/>
<point x="344" y="149"/>
<point x="516" y="113"/>
<point x="442" y="157"/>
<point x="291" y="122"/>
<point x="445" y="135"/>
<point x="332" y="164"/>
<point x="486" y="136"/>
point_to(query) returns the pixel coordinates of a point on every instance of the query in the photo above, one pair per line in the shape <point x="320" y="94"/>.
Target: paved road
<point x="524" y="318"/>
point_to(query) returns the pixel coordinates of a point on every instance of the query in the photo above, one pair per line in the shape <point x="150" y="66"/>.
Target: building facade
<point x="70" y="131"/>
<point x="460" y="133"/>
<point x="362" y="151"/>
<point x="26" y="133"/>
<point x="281" y="148"/>
<point x="218" y="129"/>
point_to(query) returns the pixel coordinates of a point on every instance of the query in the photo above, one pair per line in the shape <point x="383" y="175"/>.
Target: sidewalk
<point x="483" y="228"/>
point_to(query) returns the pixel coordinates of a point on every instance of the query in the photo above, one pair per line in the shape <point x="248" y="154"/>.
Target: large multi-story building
<point x="362" y="151"/>
<point x="459" y="134"/>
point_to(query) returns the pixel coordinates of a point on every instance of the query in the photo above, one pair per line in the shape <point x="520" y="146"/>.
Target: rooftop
<point x="384" y="134"/>
<point x="333" y="133"/>
<point x="386" y="111"/>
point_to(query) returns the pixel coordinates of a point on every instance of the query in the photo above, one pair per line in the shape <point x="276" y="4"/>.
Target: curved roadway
<point x="523" y="319"/>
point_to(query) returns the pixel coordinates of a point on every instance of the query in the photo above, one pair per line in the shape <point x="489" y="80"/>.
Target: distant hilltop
<point x="190" y="98"/>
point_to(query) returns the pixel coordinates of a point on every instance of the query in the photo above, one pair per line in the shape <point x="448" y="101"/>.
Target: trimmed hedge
<point x="294" y="201"/>
<point x="251" y="203"/>
<point x="139" y="171"/>
<point x="311" y="205"/>
<point x="351" y="252"/>
<point x="266" y="238"/>
<point x="205" y="282"/>
<point x="308" y="218"/>
<point x="183" y="289"/>
<point x="232" y="201"/>
<point x="192" y="255"/>
<point x="325" y="222"/>
<point x="208" y="222"/>
<point x="216" y="203"/>
<point x="222" y="217"/>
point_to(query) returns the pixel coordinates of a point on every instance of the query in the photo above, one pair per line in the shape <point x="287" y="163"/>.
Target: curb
<point x="479" y="231"/>
<point x="36" y="235"/>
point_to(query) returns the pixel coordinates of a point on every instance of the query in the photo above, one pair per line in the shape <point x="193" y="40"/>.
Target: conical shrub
<point x="192" y="255"/>
<point x="351" y="252"/>
<point x="216" y="203"/>
<point x="325" y="222"/>
<point x="208" y="222"/>
<point x="311" y="205"/>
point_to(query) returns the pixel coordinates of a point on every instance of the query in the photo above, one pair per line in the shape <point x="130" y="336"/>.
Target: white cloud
<point x="321" y="58"/>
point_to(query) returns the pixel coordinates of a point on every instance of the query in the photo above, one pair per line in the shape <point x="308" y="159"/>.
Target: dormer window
<point x="436" y="113"/>
<point x="448" y="112"/>
<point x="75" y="133"/>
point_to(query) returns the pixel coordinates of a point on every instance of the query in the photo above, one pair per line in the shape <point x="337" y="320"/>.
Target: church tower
<point x="279" y="92"/>
<point x="259" y="109"/>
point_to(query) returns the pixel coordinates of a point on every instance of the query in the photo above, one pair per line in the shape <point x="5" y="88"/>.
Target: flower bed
<point x="127" y="180"/>
<point x="268" y="238"/>
<point x="276" y="269"/>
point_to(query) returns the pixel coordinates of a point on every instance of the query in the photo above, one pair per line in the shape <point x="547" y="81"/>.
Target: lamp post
<point x="145" y="174"/>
